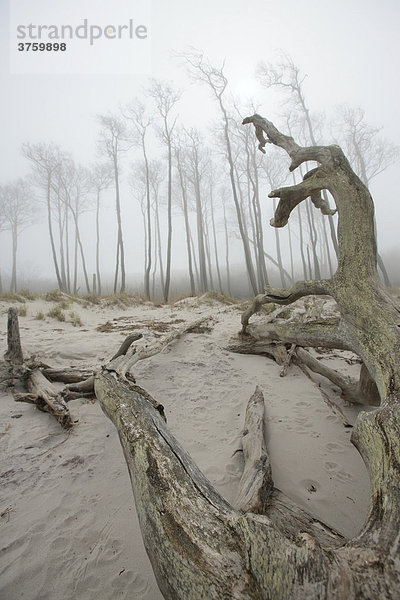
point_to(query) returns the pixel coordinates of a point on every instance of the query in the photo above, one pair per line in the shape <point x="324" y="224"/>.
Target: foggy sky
<point x="348" y="48"/>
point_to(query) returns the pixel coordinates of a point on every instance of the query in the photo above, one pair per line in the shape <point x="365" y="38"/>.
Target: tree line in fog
<point x="215" y="181"/>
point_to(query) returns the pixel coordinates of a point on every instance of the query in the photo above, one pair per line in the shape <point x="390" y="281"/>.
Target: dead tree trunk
<point x="199" y="545"/>
<point x="41" y="391"/>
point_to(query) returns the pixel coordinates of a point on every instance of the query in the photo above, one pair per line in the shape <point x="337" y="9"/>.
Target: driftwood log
<point x="203" y="548"/>
<point x="40" y="390"/>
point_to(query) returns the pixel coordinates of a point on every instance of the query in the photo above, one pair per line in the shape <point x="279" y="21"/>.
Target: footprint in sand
<point x="334" y="447"/>
<point x="302" y="404"/>
<point x="330" y="466"/>
<point x="128" y="579"/>
<point x="334" y="469"/>
<point x="343" y="476"/>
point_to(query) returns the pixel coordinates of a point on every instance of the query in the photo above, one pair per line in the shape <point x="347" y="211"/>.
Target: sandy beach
<point x="68" y="524"/>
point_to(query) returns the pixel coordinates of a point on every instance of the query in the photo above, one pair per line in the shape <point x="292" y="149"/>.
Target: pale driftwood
<point x="363" y="391"/>
<point x="84" y="387"/>
<point x="124" y="362"/>
<point x="44" y="395"/>
<point x="66" y="375"/>
<point x="256" y="484"/>
<point x="288" y="360"/>
<point x="126" y="344"/>
<point x="247" y="345"/>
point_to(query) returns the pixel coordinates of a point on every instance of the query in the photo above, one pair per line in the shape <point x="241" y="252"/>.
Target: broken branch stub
<point x="256" y="484"/>
<point x="14" y="353"/>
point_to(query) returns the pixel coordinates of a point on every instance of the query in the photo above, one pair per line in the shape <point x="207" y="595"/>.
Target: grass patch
<point x="54" y="296"/>
<point x="27" y="294"/>
<point x="22" y="310"/>
<point x="75" y="319"/>
<point x="64" y="304"/>
<point x="40" y="316"/>
<point x="12" y="297"/>
<point x="124" y="299"/>
<point x="221" y="297"/>
<point x="56" y="313"/>
<point x="91" y="299"/>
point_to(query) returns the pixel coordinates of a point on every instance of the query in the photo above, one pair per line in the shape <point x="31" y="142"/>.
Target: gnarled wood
<point x="44" y="395"/>
<point x="279" y="555"/>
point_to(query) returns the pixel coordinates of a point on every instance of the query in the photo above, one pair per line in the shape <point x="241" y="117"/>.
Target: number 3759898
<point x="42" y="47"/>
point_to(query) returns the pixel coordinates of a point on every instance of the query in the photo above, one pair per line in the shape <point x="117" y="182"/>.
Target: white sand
<point x="68" y="525"/>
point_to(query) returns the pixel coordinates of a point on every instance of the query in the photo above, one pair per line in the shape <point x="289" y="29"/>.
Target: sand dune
<point x="68" y="524"/>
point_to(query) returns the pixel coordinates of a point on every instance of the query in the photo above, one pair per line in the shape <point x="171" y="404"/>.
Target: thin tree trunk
<point x="68" y="274"/>
<point x="120" y="248"/>
<point x="169" y="218"/>
<point x="160" y="261"/>
<point x="208" y="253"/>
<point x="187" y="228"/>
<point x="53" y="247"/>
<point x="227" y="266"/>
<point x="278" y="253"/>
<point x="313" y="240"/>
<point x="252" y="174"/>
<point x="148" y="223"/>
<point x="13" y="286"/>
<point x="98" y="243"/>
<point x="328" y="253"/>
<point x="61" y="240"/>
<point x="243" y="234"/>
<point x="291" y="252"/>
<point x="75" y="252"/>
<point x="200" y="221"/>
<point x="196" y="269"/>
<point x="215" y="239"/>
<point x="116" y="268"/>
<point x="303" y="259"/>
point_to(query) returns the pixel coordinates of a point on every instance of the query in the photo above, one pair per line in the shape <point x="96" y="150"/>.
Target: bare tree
<point x="101" y="176"/>
<point x="180" y="157"/>
<point x="216" y="80"/>
<point x="46" y="161"/>
<point x="165" y="99"/>
<point x="135" y="113"/>
<point x="211" y="187"/>
<point x="113" y="141"/>
<point x="76" y="183"/>
<point x="248" y="165"/>
<point x="156" y="179"/>
<point x="197" y="163"/>
<point x="368" y="153"/>
<point x="17" y="212"/>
